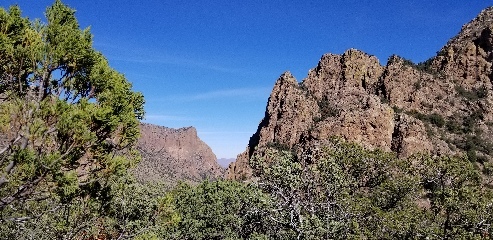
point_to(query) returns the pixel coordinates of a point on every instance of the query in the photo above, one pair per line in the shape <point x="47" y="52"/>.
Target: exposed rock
<point x="365" y="121"/>
<point x="440" y="106"/>
<point x="289" y="113"/>
<point x="336" y="73"/>
<point x="170" y="155"/>
<point x="409" y="134"/>
<point x="240" y="169"/>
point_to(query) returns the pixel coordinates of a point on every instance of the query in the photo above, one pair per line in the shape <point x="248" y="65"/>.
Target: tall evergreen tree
<point x="67" y="119"/>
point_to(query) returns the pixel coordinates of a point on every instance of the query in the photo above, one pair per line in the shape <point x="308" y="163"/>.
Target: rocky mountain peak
<point x="286" y="78"/>
<point x="474" y="29"/>
<point x="170" y="155"/>
<point x="440" y="106"/>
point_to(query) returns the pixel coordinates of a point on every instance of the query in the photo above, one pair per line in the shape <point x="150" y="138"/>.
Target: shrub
<point x="351" y="193"/>
<point x="278" y="146"/>
<point x="397" y="109"/>
<point x="436" y="119"/>
<point x="327" y="110"/>
<point x="473" y="95"/>
<point x="417" y="85"/>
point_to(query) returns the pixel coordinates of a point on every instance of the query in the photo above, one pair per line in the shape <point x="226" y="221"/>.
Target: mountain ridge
<point x="171" y="155"/>
<point x="441" y="106"/>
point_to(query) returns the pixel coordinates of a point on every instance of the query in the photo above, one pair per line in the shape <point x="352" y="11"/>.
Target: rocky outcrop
<point x="172" y="155"/>
<point x="440" y="106"/>
<point x="281" y="126"/>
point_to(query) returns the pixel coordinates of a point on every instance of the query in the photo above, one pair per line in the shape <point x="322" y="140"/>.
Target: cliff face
<point x="440" y="106"/>
<point x="170" y="155"/>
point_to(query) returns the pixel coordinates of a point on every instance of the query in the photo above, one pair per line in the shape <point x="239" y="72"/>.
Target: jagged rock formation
<point x="170" y="155"/>
<point x="440" y="106"/>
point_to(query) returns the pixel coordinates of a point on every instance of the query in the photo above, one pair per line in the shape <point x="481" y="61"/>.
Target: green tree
<point x="220" y="210"/>
<point x="67" y="119"/>
<point x="338" y="191"/>
<point x="461" y="199"/>
<point x="341" y="191"/>
<point x="136" y="210"/>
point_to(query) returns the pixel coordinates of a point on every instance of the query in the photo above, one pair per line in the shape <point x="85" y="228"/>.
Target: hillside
<point x="441" y="106"/>
<point x="170" y="155"/>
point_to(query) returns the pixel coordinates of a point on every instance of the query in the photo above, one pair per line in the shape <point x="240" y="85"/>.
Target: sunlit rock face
<point x="171" y="155"/>
<point x="440" y="106"/>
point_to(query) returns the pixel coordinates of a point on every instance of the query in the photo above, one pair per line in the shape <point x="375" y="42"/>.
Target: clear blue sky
<point x="212" y="64"/>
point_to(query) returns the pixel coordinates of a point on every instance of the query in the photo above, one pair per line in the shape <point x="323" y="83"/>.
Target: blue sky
<point x="212" y="64"/>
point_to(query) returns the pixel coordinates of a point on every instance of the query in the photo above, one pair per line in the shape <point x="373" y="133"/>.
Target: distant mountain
<point x="443" y="106"/>
<point x="224" y="162"/>
<point x="171" y="155"/>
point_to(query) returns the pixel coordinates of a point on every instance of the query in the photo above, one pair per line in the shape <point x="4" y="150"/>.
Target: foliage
<point x="337" y="191"/>
<point x="68" y="122"/>
<point x="426" y="66"/>
<point x="407" y="62"/>
<point x="460" y="204"/>
<point x="433" y="118"/>
<point x="397" y="110"/>
<point x="338" y="195"/>
<point x="473" y="95"/>
<point x="418" y="84"/>
<point x="342" y="191"/>
<point x="327" y="110"/>
<point x="122" y="209"/>
<point x="472" y="139"/>
<point x="278" y="146"/>
<point x="219" y="210"/>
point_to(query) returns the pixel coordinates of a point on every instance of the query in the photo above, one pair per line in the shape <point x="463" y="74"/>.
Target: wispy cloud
<point x="150" y="56"/>
<point x="174" y="61"/>
<point x="228" y="93"/>
<point x="218" y="94"/>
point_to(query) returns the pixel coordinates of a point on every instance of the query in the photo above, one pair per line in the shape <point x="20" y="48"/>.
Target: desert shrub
<point x="408" y="62"/>
<point x="397" y="109"/>
<point x="453" y="126"/>
<point x="219" y="210"/>
<point x="473" y="95"/>
<point x="327" y="110"/>
<point x="384" y="99"/>
<point x="349" y="192"/>
<point x="418" y="85"/>
<point x="436" y="119"/>
<point x="278" y="146"/>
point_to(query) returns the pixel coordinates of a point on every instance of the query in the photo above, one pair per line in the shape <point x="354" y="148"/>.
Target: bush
<point x="397" y="110"/>
<point x="453" y="126"/>
<point x="473" y="95"/>
<point x="278" y="146"/>
<point x="349" y="192"/>
<point x="327" y="110"/>
<point x="219" y="210"/>
<point x="436" y="119"/>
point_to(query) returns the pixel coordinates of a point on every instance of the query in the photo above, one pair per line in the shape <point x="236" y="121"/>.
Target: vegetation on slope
<point x="339" y="191"/>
